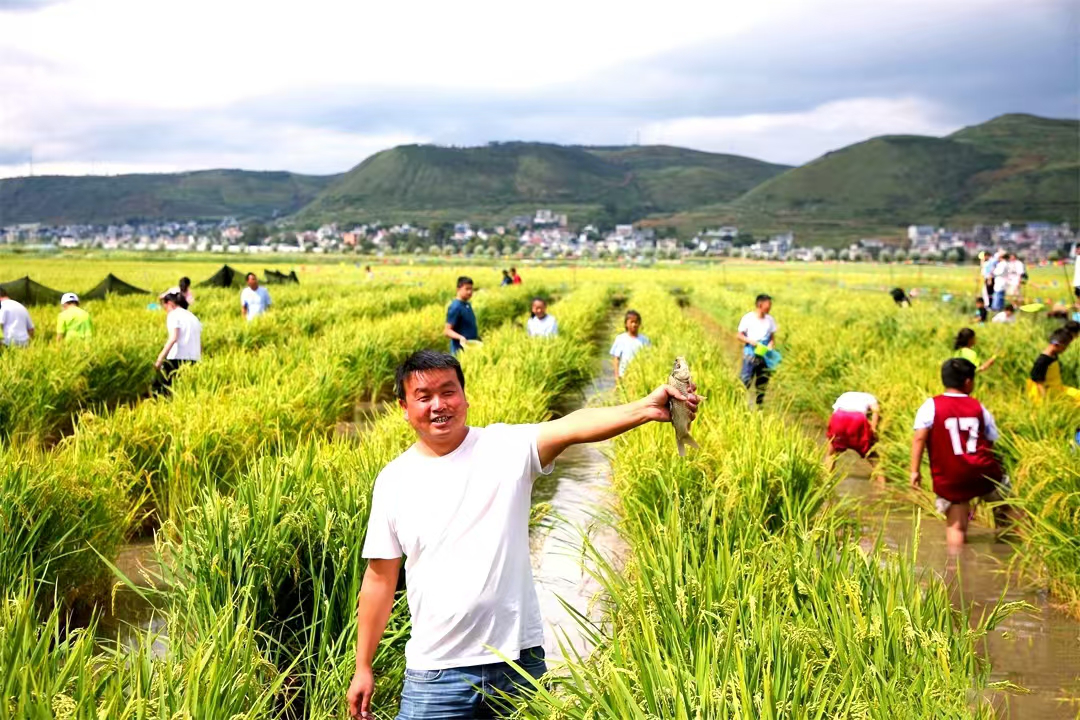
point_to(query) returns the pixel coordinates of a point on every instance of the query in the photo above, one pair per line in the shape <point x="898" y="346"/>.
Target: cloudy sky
<point x="109" y="86"/>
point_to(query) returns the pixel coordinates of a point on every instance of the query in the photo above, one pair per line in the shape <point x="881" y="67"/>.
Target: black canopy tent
<point x="273" y="277"/>
<point x="225" y="277"/>
<point x="28" y="292"/>
<point x="112" y="285"/>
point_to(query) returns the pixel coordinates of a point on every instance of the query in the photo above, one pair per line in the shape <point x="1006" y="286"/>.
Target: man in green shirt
<point x="73" y="321"/>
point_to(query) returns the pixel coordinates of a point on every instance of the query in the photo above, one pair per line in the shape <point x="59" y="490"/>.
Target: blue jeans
<point x="466" y="692"/>
<point x="998" y="301"/>
<point x="755" y="370"/>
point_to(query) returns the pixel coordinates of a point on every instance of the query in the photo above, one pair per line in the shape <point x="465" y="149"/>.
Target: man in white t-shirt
<point x="15" y="321"/>
<point x="757" y="333"/>
<point x="183" y="345"/>
<point x="541" y="324"/>
<point x="1014" y="276"/>
<point x="254" y="300"/>
<point x="456" y="506"/>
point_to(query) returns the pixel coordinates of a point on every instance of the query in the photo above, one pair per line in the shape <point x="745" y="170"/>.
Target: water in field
<point x="1038" y="650"/>
<point x="579" y="493"/>
<point x="129" y="616"/>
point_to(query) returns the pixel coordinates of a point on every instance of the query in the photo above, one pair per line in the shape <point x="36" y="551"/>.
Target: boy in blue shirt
<point x="460" y="320"/>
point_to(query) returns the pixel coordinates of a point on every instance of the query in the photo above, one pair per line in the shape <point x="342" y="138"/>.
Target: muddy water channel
<point x="580" y="499"/>
<point x="1037" y="649"/>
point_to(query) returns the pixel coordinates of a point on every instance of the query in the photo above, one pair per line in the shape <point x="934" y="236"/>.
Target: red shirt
<point x="962" y="460"/>
<point x="516" y="280"/>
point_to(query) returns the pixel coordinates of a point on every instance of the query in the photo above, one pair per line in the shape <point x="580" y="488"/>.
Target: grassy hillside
<point x="627" y="181"/>
<point x="1015" y="167"/>
<point x="176" y="196"/>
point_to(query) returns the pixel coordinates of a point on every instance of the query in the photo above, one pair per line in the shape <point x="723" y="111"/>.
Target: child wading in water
<point x="629" y="343"/>
<point x="960" y="434"/>
<point x="964" y="347"/>
<point x="851" y="429"/>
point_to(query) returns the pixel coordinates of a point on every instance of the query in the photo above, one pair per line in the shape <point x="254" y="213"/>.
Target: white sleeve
<point x="171" y="321"/>
<point x="29" y="322"/>
<point x="743" y="327"/>
<point x="924" y="418"/>
<point x="616" y="348"/>
<point x="992" y="433"/>
<point x="517" y="450"/>
<point x="381" y="540"/>
<point x="774" y="326"/>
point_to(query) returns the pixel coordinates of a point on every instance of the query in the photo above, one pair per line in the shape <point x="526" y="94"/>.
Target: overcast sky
<point x="109" y="86"/>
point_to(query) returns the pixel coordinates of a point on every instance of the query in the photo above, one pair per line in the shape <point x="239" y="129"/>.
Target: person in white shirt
<point x="15" y="322"/>
<point x="184" y="343"/>
<point x="456" y="506"/>
<point x="1076" y="272"/>
<point x="1008" y="315"/>
<point x="541" y="324"/>
<point x="1001" y="283"/>
<point x="628" y="344"/>
<point x="254" y="300"/>
<point x="757" y="333"/>
<point x="1014" y="276"/>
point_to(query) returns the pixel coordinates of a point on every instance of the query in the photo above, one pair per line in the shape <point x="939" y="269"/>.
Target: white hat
<point x="170" y="291"/>
<point x="69" y="298"/>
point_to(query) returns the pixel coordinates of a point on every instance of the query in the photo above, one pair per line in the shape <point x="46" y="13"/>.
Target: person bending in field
<point x="73" y="323"/>
<point x="850" y="428"/>
<point x="959" y="434"/>
<point x="254" y="300"/>
<point x="1045" y="379"/>
<point x="183" y="346"/>
<point x="15" y="322"/>
<point x="1008" y="315"/>
<point x="757" y="333"/>
<point x="628" y="344"/>
<point x="900" y="297"/>
<point x="541" y="324"/>
<point x="460" y="319"/>
<point x="456" y="505"/>
<point x="980" y="310"/>
<point x="964" y="347"/>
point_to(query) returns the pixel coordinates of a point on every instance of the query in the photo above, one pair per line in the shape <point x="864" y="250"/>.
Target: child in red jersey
<point x="960" y="434"/>
<point x="851" y="429"/>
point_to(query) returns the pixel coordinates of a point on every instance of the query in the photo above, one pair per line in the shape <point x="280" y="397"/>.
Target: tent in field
<point x="28" y="292"/>
<point x="225" y="277"/>
<point x="273" y="277"/>
<point x="112" y="285"/>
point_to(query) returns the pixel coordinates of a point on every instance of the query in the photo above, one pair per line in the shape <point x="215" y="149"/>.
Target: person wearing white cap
<point x="184" y="343"/>
<point x="73" y="322"/>
<point x="15" y="321"/>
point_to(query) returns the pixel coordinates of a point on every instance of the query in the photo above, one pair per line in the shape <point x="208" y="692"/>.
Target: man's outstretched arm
<point x="595" y="424"/>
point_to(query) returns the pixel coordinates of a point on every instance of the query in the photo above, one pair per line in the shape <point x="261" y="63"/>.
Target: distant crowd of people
<point x="183" y="343"/>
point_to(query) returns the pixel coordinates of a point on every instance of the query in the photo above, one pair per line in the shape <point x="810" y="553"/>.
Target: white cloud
<point x="795" y="138"/>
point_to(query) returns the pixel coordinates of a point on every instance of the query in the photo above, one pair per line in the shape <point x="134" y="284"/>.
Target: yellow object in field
<point x="1054" y="386"/>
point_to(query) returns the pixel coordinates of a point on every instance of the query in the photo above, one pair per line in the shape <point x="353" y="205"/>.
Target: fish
<point x="680" y="413"/>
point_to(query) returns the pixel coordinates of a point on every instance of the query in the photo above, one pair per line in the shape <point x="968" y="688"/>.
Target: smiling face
<point x="436" y="407"/>
<point x="539" y="309"/>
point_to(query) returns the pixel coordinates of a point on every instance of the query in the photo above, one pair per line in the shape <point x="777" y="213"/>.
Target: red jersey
<point x="962" y="460"/>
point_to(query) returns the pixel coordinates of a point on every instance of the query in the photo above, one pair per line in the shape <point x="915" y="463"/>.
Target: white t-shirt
<point x="758" y="330"/>
<point x="625" y="347"/>
<point x="924" y="418"/>
<point x="1003" y="317"/>
<point x="1014" y="276"/>
<point x="256" y="301"/>
<point x="858" y="402"/>
<point x="189" y="344"/>
<point x="1001" y="275"/>
<point x="547" y="327"/>
<point x="462" y="523"/>
<point x="15" y="322"/>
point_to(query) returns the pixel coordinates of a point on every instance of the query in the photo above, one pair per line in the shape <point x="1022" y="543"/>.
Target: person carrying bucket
<point x="757" y="333"/>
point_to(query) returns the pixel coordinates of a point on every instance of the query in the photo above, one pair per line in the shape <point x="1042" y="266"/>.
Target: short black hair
<point x="1061" y="336"/>
<point x="762" y="298"/>
<point x="251" y="275"/>
<point x="979" y="301"/>
<point x="425" y="360"/>
<point x="185" y="283"/>
<point x="464" y="280"/>
<point x="1073" y="327"/>
<point x="629" y="314"/>
<point x="1010" y="307"/>
<point x="957" y="371"/>
<point x="963" y="338"/>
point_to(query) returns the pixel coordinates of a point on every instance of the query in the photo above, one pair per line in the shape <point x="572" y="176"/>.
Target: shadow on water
<point x="1038" y="650"/>
<point x="129" y="616"/>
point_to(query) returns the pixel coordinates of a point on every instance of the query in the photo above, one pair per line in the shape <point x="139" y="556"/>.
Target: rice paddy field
<point x="749" y="582"/>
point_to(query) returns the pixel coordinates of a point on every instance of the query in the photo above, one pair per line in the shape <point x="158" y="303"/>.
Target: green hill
<point x="1015" y="167"/>
<point x="177" y="196"/>
<point x="628" y="180"/>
